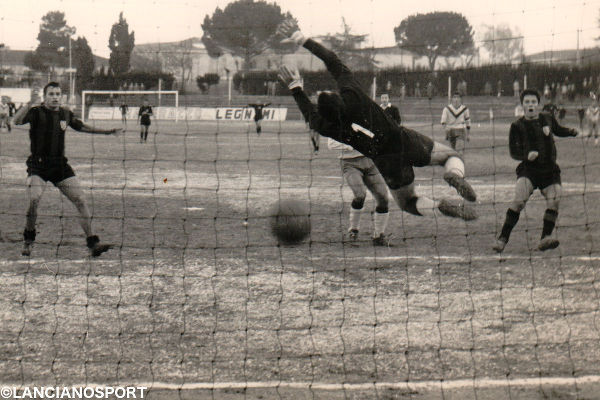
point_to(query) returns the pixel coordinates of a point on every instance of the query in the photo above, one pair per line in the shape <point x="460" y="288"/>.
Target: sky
<point x="545" y="24"/>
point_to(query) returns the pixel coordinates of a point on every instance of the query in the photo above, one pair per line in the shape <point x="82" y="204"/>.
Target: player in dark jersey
<point x="353" y="118"/>
<point x="258" y="114"/>
<point x="47" y="162"/>
<point x="531" y="141"/>
<point x="390" y="109"/>
<point x="124" y="108"/>
<point x="144" y="115"/>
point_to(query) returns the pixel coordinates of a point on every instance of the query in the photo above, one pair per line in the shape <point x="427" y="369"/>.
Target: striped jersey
<point x="455" y="118"/>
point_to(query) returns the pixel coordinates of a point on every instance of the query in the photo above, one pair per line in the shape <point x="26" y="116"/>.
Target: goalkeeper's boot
<point x="459" y="183"/>
<point x="96" y="248"/>
<point x="457" y="209"/>
<point x="500" y="245"/>
<point x="382" y="241"/>
<point x="28" y="240"/>
<point x="548" y="243"/>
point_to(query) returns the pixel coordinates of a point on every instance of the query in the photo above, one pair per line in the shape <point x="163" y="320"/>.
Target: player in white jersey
<point x="4" y="113"/>
<point x="456" y="121"/>
<point x="591" y="120"/>
<point x="360" y="174"/>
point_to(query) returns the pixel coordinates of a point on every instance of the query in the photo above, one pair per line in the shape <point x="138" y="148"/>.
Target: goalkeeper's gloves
<point x="289" y="30"/>
<point x="291" y="77"/>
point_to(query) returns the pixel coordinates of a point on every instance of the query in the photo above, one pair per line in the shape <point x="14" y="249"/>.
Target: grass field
<point x="197" y="301"/>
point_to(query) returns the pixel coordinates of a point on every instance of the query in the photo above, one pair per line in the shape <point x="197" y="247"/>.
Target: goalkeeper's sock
<point x="550" y="217"/>
<point x="512" y="217"/>
<point x="455" y="165"/>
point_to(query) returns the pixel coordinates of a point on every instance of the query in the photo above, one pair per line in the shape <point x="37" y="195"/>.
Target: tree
<point x="348" y="48"/>
<point x="121" y="44"/>
<point x="245" y="28"/>
<point x="503" y="44"/>
<point x="83" y="60"/>
<point x="53" y="47"/>
<point x="435" y="34"/>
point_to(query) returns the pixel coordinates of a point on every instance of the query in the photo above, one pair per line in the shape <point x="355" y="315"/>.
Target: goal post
<point x="112" y="99"/>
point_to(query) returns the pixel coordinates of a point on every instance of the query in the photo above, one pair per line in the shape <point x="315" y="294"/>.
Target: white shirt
<point x="346" y="151"/>
<point x="3" y="109"/>
<point x="455" y="118"/>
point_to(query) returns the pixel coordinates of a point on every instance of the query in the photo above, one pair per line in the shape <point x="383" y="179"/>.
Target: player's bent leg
<point x="455" y="169"/>
<point x="552" y="194"/>
<point x="71" y="188"/>
<point x="523" y="190"/>
<point x="35" y="190"/>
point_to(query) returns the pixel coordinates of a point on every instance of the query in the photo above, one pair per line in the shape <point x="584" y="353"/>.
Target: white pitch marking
<point x="478" y="383"/>
<point x="194" y="208"/>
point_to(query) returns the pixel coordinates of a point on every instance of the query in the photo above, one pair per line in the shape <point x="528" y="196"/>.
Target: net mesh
<point x="197" y="299"/>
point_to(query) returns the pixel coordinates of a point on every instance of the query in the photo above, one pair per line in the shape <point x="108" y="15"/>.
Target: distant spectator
<point x="499" y="88"/>
<point x="402" y="91"/>
<point x="487" y="89"/>
<point x="516" y="88"/>
<point x="430" y="90"/>
<point x="418" y="89"/>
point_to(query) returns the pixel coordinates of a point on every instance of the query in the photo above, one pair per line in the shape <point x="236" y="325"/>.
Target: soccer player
<point x="352" y="117"/>
<point x="124" y="109"/>
<point x="12" y="109"/>
<point x="360" y="174"/>
<point x="4" y="113"/>
<point x="591" y="121"/>
<point x="531" y="141"/>
<point x="390" y="109"/>
<point x="144" y="115"/>
<point x="48" y="122"/>
<point x="456" y="121"/>
<point x="258" y="114"/>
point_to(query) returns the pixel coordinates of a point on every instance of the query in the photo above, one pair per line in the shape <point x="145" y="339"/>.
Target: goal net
<point x="197" y="299"/>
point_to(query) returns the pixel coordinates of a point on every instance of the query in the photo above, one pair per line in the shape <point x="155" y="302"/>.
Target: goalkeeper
<point x="353" y="118"/>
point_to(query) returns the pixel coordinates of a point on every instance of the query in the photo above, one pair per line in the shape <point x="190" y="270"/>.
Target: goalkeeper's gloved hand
<point x="290" y="77"/>
<point x="290" y="32"/>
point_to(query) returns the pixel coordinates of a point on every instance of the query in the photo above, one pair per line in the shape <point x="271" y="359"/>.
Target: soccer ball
<point x="290" y="221"/>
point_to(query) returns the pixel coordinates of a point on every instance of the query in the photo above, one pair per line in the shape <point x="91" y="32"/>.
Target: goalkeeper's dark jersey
<point x="360" y="109"/>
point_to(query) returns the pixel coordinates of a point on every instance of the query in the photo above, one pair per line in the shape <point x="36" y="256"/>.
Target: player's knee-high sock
<point x="31" y="216"/>
<point x="512" y="217"/>
<point x="425" y="206"/>
<point x="355" y="218"/>
<point x="455" y="165"/>
<point x="145" y="134"/>
<point x="550" y="217"/>
<point x="380" y="221"/>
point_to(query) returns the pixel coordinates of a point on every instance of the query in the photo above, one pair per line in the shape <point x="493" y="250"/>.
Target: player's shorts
<point x="455" y="133"/>
<point x="396" y="168"/>
<point x="145" y="120"/>
<point x="53" y="173"/>
<point x="540" y="178"/>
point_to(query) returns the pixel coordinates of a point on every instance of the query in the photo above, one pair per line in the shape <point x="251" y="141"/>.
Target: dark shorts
<point x="396" y="168"/>
<point x="52" y="173"/>
<point x="540" y="178"/>
<point x="145" y="120"/>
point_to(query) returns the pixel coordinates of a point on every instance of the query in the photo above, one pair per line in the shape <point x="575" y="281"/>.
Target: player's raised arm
<point x="20" y="116"/>
<point x="290" y="31"/>
<point x="559" y="130"/>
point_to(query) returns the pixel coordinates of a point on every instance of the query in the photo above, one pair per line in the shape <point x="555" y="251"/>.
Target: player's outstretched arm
<point x="34" y="100"/>
<point x="292" y="79"/>
<point x="562" y="131"/>
<point x="290" y="31"/>
<point x="82" y="127"/>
